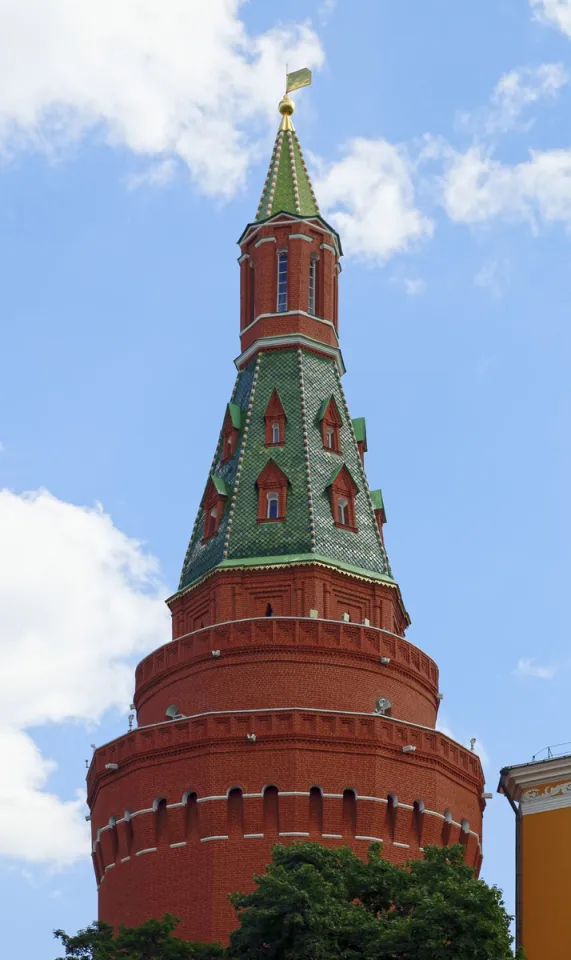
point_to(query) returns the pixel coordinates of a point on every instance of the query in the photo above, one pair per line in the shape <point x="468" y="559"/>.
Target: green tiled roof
<point x="336" y="473"/>
<point x="287" y="185"/>
<point x="304" y="380"/>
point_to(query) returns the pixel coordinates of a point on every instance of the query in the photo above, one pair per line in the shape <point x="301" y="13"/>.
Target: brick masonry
<point x="285" y="636"/>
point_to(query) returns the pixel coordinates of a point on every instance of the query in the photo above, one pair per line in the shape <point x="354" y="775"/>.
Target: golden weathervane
<point x="294" y="81"/>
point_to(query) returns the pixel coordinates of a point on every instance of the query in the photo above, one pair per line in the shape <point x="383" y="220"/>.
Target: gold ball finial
<point x="286" y="106"/>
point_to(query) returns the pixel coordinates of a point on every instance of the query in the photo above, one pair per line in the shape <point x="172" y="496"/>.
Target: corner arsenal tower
<point x="298" y="708"/>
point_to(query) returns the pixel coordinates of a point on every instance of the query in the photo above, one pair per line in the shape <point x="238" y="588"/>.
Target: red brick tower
<point x="288" y="703"/>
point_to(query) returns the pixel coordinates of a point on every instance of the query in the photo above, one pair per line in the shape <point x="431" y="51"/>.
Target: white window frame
<point x="272" y="498"/>
<point x="311" y="299"/>
<point x="343" y="511"/>
<point x="330" y="436"/>
<point x="276" y="433"/>
<point x="282" y="271"/>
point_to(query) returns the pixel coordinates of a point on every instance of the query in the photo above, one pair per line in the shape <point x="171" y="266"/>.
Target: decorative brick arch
<point x="330" y="422"/>
<point x="342" y="492"/>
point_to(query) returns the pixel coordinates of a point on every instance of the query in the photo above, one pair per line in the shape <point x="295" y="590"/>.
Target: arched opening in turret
<point x="392" y="806"/>
<point x="271" y="813"/>
<point x="160" y="809"/>
<point x="269" y="610"/>
<point x="192" y="826"/>
<point x="128" y="827"/>
<point x="418" y="821"/>
<point x="315" y="812"/>
<point x="235" y="814"/>
<point x="447" y="828"/>
<point x="349" y="814"/>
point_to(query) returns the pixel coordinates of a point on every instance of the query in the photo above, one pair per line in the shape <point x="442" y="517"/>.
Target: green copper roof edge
<point x="360" y="428"/>
<point x="286" y="560"/>
<point x="235" y="415"/>
<point x="220" y="485"/>
<point x="294" y="216"/>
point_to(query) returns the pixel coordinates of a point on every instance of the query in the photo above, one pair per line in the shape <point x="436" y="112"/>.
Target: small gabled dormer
<point x="379" y="508"/>
<point x="342" y="492"/>
<point x="231" y="431"/>
<point x="360" y="428"/>
<point x="330" y="422"/>
<point x="272" y="486"/>
<point x="275" y="421"/>
<point x="213" y="503"/>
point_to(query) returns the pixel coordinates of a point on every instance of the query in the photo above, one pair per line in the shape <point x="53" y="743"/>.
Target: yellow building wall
<point x="546" y="884"/>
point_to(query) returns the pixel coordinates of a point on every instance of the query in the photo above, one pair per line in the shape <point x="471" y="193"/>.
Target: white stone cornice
<point x="541" y="775"/>
<point x="289" y="313"/>
<point x="327" y="246"/>
<point x="245" y="256"/>
<point x="262" y="240"/>
<point x="300" y="236"/>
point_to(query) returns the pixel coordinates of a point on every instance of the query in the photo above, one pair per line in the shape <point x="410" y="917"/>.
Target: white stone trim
<point x="222" y="796"/>
<point x="244" y="256"/>
<point x="250" y="796"/>
<point x="173" y="806"/>
<point x="333" y="836"/>
<point x="291" y="340"/>
<point x="327" y="246"/>
<point x="262" y="240"/>
<point x="300" y="236"/>
<point x="124" y="859"/>
<point x="226" y="623"/>
<point x="109" y="867"/>
<point x="293" y="833"/>
<point x="314" y="223"/>
<point x="333" y="796"/>
<point x="138" y="813"/>
<point x="181" y="843"/>
<point x="220" y="837"/>
<point x="293" y="793"/>
<point x="397" y="844"/>
<point x="371" y="839"/>
<point x="139" y="853"/>
<point x="374" y="799"/>
<point x="253" y="836"/>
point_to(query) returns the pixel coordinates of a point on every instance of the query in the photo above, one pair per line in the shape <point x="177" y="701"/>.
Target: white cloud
<point x="368" y="196"/>
<point x="514" y="92"/>
<point x="77" y="599"/>
<point x="527" y="668"/>
<point x="493" y="276"/>
<point x="476" y="187"/>
<point x="156" y="175"/>
<point x="173" y="79"/>
<point x="555" y="11"/>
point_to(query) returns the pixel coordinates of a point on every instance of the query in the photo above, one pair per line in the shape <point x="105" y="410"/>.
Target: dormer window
<point x="312" y="293"/>
<point x="272" y="487"/>
<point x="231" y="431"/>
<point x="273" y="506"/>
<point x="342" y="492"/>
<point x="331" y="422"/>
<point x="282" y="281"/>
<point x="275" y="421"/>
<point x="213" y="503"/>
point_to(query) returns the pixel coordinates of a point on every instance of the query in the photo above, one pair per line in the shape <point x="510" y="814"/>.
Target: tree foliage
<point x="315" y="903"/>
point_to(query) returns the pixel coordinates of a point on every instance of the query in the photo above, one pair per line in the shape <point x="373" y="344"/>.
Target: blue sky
<point x="133" y="148"/>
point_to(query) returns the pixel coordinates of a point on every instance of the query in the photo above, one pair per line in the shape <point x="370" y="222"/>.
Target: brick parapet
<point x="247" y="663"/>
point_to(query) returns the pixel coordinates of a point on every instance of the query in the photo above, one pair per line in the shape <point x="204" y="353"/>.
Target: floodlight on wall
<point x="172" y="711"/>
<point x="88" y="817"/>
<point x="345" y="617"/>
<point x="383" y="706"/>
<point x="111" y="766"/>
<point x="314" y="614"/>
<point x="385" y="661"/>
<point x="487" y="796"/>
<point x="251" y="737"/>
<point x="132" y="707"/>
<point x="409" y="748"/>
<point x="216" y="653"/>
<point x="440" y="696"/>
<point x="366" y="622"/>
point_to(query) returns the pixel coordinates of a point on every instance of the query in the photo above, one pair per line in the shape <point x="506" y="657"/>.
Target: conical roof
<point x="288" y="186"/>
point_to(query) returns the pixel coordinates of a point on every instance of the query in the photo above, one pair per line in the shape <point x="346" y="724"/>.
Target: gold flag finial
<point x="294" y="81"/>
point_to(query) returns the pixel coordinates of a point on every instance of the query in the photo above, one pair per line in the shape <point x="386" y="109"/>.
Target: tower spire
<point x="288" y="186"/>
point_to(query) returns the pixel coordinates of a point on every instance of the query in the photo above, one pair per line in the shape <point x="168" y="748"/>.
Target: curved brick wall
<point x="185" y="842"/>
<point x="273" y="661"/>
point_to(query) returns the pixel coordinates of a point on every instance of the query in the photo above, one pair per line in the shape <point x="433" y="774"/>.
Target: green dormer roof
<point x="377" y="500"/>
<point x="220" y="485"/>
<point x="287" y="187"/>
<point x="235" y="415"/>
<point x="360" y="428"/>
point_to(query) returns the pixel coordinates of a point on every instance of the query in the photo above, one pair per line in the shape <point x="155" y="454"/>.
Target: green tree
<point x="153" y="940"/>
<point x="314" y="903"/>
